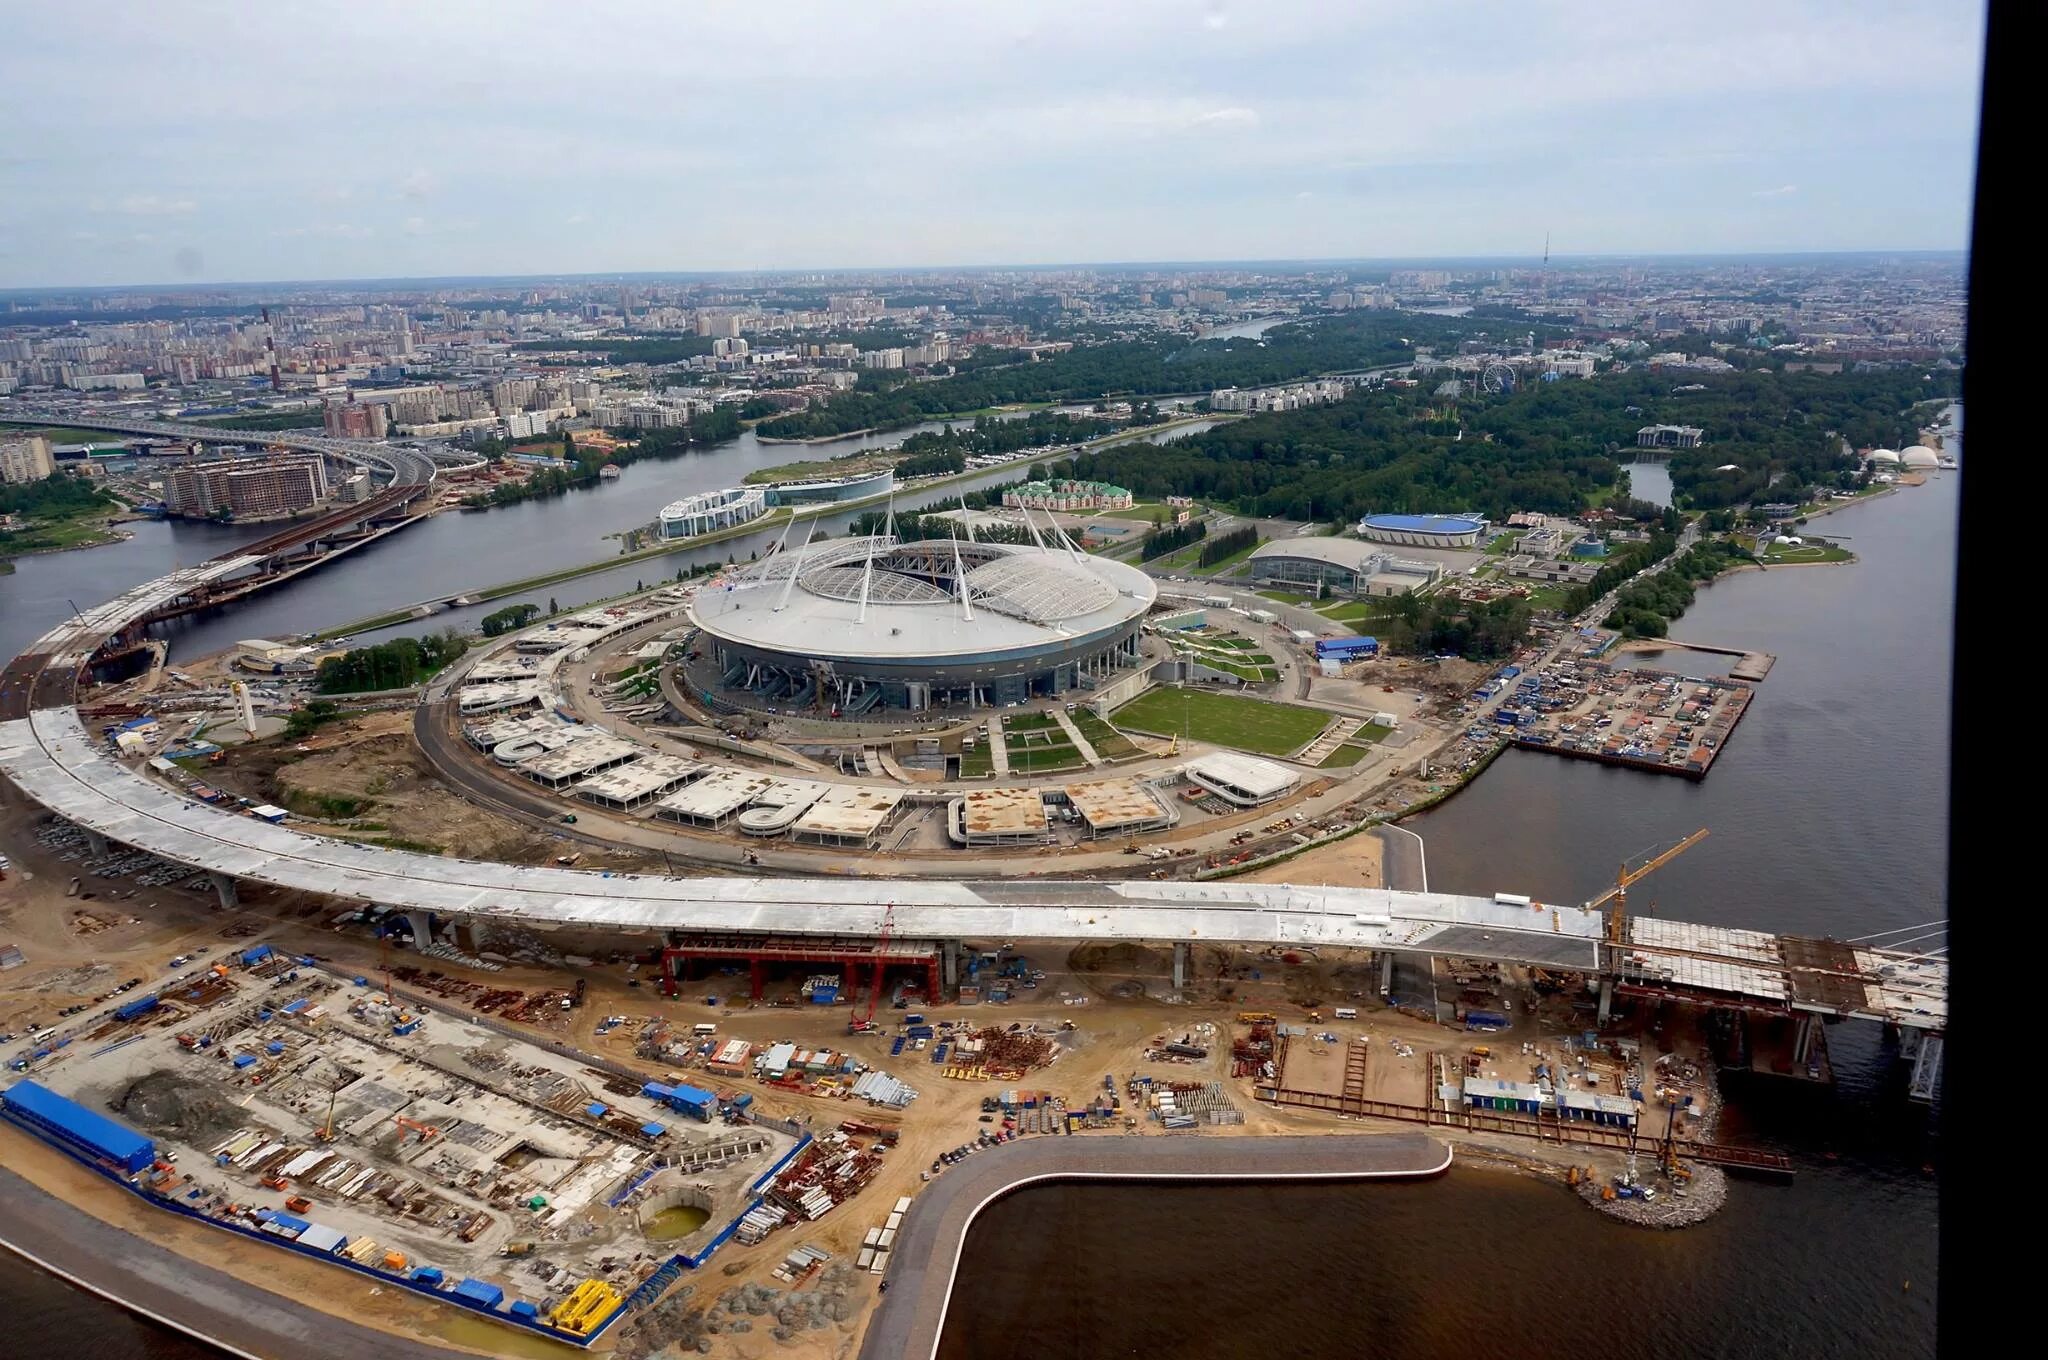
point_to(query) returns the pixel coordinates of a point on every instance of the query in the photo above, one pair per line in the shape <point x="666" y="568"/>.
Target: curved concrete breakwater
<point x="912" y="1316"/>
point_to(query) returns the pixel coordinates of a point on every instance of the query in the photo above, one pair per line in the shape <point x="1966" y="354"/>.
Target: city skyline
<point x="429" y="145"/>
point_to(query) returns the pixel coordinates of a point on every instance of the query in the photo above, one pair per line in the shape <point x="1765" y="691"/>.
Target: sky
<point x="202" y="141"/>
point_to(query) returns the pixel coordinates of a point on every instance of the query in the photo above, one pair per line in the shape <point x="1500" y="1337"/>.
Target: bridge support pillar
<point x="224" y="885"/>
<point x="1925" y="1082"/>
<point x="949" y="965"/>
<point x="1802" y="1039"/>
<point x="1386" y="972"/>
<point x="1180" y="964"/>
<point x="422" y="923"/>
<point x="1606" y="999"/>
<point x="96" y="841"/>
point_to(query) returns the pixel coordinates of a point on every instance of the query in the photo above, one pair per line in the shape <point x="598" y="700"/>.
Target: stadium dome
<point x="1920" y="458"/>
<point x="1429" y="531"/>
<point x="870" y="622"/>
<point x="1888" y="457"/>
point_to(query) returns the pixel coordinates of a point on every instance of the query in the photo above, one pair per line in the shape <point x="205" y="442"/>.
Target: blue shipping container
<point x="74" y="1125"/>
<point x="481" y="1292"/>
<point x="142" y="1005"/>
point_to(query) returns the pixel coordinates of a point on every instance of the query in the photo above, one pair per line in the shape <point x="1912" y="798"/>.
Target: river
<point x="1828" y="813"/>
<point x="446" y="554"/>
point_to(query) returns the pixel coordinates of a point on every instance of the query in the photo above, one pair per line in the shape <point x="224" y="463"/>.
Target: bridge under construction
<point x="48" y="753"/>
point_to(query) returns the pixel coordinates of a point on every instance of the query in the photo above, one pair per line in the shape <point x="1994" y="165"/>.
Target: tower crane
<point x="1625" y="878"/>
<point x="865" y="1021"/>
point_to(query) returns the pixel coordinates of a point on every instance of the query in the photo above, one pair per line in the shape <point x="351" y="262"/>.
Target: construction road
<point x="159" y="1283"/>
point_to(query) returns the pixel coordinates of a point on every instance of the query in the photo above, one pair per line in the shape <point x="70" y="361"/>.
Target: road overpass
<point x="398" y="462"/>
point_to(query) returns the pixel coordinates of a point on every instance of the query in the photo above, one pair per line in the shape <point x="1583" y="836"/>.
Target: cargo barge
<point x="1652" y="721"/>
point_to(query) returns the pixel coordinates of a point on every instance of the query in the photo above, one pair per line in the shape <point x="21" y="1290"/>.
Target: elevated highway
<point x="46" y="750"/>
<point x="47" y="675"/>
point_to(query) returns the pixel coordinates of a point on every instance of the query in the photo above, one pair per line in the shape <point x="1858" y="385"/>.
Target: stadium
<point x="1423" y="531"/>
<point x="864" y="623"/>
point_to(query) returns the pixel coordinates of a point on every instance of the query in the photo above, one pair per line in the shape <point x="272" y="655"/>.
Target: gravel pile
<point x="167" y="1103"/>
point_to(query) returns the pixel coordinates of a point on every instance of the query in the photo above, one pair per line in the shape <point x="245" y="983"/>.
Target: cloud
<point x="1228" y="118"/>
<point x="333" y="193"/>
<point x="1215" y="21"/>
<point x="1782" y="191"/>
<point x="419" y="184"/>
<point x="578" y="218"/>
<point x="150" y="205"/>
<point x="340" y="231"/>
<point x="415" y="226"/>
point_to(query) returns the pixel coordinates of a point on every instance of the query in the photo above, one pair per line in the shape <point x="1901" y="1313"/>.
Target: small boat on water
<point x="610" y="472"/>
<point x="1947" y="464"/>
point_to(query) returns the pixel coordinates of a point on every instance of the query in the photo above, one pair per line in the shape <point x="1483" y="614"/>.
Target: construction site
<point x="322" y="1110"/>
<point x="1642" y="719"/>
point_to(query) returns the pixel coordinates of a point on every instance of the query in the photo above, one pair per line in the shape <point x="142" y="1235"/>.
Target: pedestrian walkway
<point x="1074" y="735"/>
<point x="1333" y="736"/>
<point x="998" y="754"/>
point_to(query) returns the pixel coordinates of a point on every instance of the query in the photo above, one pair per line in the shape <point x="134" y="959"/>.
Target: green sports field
<point x="1223" y="720"/>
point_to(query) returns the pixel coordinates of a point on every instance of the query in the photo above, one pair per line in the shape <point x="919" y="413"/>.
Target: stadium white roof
<point x="1017" y="597"/>
<point x="1259" y="778"/>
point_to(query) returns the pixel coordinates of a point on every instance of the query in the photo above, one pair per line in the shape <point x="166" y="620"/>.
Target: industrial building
<point x="1243" y="780"/>
<point x="1119" y="807"/>
<point x="638" y="782"/>
<point x="84" y="1133"/>
<point x="1339" y="566"/>
<point x="710" y="511"/>
<point x="578" y="760"/>
<point x="848" y="815"/>
<point x="713" y="800"/>
<point x="863" y="623"/>
<point x="1423" y="531"/>
<point x="1000" y="817"/>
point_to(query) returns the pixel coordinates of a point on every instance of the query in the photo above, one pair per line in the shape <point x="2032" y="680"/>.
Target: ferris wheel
<point x="1497" y="379"/>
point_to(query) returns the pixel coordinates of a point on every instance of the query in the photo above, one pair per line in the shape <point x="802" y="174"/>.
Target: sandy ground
<point x="1125" y="1003"/>
<point x="1353" y="862"/>
<point x="366" y="778"/>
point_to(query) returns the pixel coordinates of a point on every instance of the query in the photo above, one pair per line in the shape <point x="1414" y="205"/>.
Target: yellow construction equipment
<point x="1617" y="913"/>
<point x="586" y="1308"/>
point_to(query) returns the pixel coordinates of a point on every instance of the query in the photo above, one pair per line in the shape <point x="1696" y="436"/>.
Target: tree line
<point x="1168" y="538"/>
<point x="510" y="619"/>
<point x="397" y="664"/>
<point x="1148" y="366"/>
<point x="1647" y="607"/>
<point x="1237" y="540"/>
<point x="1442" y="625"/>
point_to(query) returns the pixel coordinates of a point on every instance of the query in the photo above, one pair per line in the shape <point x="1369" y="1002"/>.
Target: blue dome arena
<point x="1423" y="531"/>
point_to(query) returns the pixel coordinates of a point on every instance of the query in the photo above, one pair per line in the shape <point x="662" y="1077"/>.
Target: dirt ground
<point x="1353" y="862"/>
<point x="366" y="778"/>
<point x="1118" y="997"/>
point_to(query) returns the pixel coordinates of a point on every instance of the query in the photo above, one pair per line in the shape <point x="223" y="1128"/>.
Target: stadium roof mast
<point x="867" y="574"/>
<point x="960" y="575"/>
<point x="798" y="566"/>
<point x="1032" y="528"/>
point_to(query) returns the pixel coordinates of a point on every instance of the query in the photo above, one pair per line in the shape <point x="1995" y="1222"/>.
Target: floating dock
<point x="1653" y="721"/>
